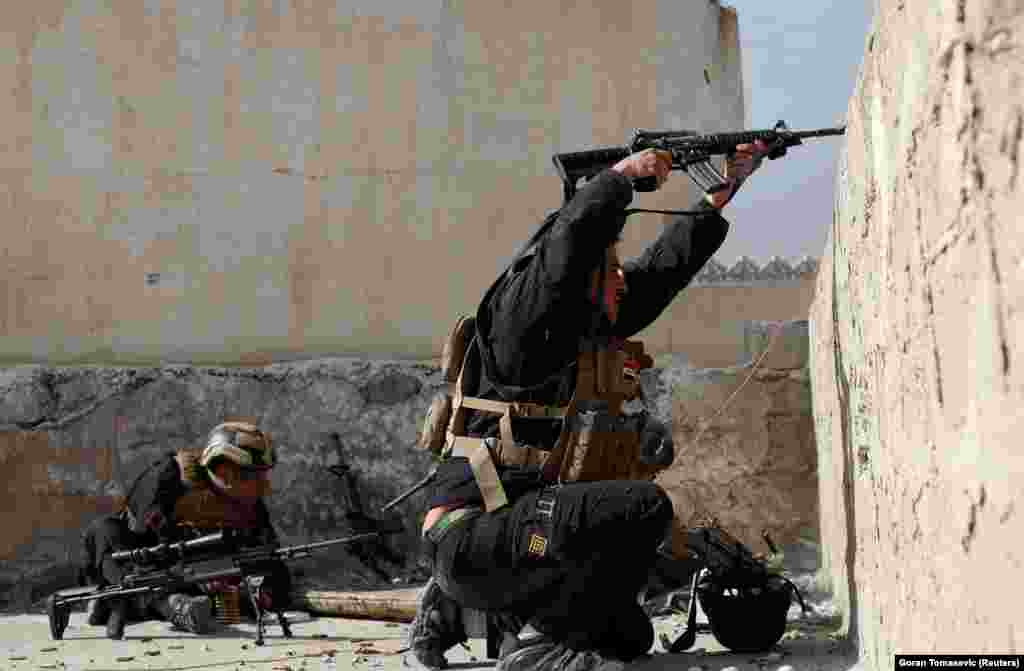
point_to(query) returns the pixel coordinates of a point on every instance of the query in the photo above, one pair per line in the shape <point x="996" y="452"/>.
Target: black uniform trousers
<point x="569" y="559"/>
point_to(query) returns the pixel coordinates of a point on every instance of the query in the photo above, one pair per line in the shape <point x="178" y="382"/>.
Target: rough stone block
<point x="746" y="455"/>
<point x="25" y="397"/>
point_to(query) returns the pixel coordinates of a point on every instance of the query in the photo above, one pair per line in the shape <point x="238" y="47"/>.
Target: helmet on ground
<point x="748" y="617"/>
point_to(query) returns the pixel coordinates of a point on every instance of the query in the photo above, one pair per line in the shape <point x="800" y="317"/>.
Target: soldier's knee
<point x="655" y="508"/>
<point x="654" y="500"/>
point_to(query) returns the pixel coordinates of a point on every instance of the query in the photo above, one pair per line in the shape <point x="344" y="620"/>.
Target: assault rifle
<point x="168" y="567"/>
<point x="691" y="152"/>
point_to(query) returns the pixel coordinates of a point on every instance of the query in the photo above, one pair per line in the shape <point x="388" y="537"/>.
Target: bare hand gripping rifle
<point x="168" y="567"/>
<point x="691" y="153"/>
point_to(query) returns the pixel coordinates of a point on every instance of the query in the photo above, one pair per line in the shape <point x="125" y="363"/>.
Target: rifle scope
<point x="168" y="551"/>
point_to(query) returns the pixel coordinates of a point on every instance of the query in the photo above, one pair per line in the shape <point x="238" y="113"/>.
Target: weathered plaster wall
<point x="917" y="337"/>
<point x="231" y="181"/>
<point x="744" y="439"/>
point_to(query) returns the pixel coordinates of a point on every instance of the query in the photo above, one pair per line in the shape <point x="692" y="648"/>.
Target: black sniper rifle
<point x="166" y="568"/>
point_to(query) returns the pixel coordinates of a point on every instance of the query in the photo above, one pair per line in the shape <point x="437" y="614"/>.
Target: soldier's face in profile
<point x="614" y="284"/>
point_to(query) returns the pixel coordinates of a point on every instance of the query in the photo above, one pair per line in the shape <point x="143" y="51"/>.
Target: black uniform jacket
<point x="532" y="322"/>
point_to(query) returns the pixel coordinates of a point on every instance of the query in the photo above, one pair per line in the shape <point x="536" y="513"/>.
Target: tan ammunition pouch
<point x="581" y="453"/>
<point x="602" y="444"/>
<point x="435" y="424"/>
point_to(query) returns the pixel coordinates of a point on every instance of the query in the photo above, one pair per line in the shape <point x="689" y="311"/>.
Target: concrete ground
<point x="327" y="643"/>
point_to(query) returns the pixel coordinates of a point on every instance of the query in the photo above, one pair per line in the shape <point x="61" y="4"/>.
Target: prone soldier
<point x="182" y="495"/>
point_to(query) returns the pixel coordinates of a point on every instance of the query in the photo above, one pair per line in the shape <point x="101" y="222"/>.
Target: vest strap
<point x="486" y="475"/>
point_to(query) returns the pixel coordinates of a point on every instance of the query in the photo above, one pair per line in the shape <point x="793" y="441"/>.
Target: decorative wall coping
<point x="746" y="269"/>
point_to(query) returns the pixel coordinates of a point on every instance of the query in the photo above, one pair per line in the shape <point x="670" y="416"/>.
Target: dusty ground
<point x="337" y="643"/>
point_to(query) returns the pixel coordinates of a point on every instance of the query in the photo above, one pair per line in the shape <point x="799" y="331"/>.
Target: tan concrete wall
<point x="706" y="322"/>
<point x="916" y="338"/>
<point x="236" y="181"/>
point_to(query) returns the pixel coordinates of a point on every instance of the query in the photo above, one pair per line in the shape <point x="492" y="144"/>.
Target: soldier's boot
<point x="99" y="613"/>
<point x="436" y="628"/>
<point x="506" y="630"/>
<point x="117" y="618"/>
<point x="541" y="653"/>
<point x="188" y="613"/>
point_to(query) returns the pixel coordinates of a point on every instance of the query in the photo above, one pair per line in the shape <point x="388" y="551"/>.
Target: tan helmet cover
<point x="239" y="442"/>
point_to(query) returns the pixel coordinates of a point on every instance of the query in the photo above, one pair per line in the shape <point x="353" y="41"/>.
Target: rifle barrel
<point x="821" y="132"/>
<point x="320" y="544"/>
<point x="715" y="140"/>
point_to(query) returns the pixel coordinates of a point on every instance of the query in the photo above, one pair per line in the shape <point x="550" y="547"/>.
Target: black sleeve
<point x="158" y="487"/>
<point x="586" y="226"/>
<point x="667" y="266"/>
<point x="543" y="295"/>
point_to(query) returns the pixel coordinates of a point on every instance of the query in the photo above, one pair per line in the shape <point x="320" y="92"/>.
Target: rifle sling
<point x="635" y="210"/>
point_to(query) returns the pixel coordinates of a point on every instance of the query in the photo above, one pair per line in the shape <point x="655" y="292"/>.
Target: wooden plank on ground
<point x="392" y="605"/>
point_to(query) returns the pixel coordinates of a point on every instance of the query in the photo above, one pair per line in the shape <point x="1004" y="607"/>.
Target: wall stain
<point x="972" y="519"/>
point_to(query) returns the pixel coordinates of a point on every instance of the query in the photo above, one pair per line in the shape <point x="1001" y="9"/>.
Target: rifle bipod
<point x="58" y="615"/>
<point x="255" y="585"/>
